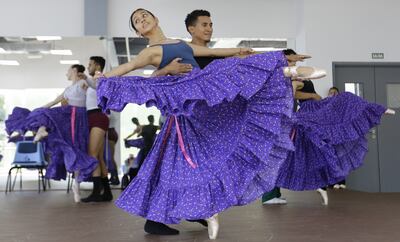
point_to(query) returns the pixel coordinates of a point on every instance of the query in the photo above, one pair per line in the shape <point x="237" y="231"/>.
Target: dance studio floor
<point x="350" y="216"/>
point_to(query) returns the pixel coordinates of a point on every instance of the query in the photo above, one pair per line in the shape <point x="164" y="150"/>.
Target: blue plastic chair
<point x="29" y="155"/>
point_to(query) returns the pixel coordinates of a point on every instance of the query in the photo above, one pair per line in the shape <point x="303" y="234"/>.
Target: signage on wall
<point x="378" y="56"/>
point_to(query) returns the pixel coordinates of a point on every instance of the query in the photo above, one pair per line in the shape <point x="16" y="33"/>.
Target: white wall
<point x="48" y="72"/>
<point x="233" y="18"/>
<point x="41" y="17"/>
<point x="343" y="30"/>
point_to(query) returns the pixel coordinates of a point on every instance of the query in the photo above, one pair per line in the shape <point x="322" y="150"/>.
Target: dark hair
<point x="99" y="61"/>
<point x="135" y="121"/>
<point x="289" y="52"/>
<point x="150" y="118"/>
<point x="191" y="18"/>
<point x="334" y="88"/>
<point x="79" y="68"/>
<point x="131" y="21"/>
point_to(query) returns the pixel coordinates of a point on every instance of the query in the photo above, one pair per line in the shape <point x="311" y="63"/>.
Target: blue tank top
<point x="177" y="50"/>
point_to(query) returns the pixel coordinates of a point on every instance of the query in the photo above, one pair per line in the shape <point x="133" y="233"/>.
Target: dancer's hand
<point x="97" y="75"/>
<point x="246" y="51"/>
<point x="82" y="76"/>
<point x="295" y="58"/>
<point x="175" y="67"/>
<point x="84" y="86"/>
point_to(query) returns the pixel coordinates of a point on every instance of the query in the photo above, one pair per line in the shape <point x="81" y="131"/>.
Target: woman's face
<point x="144" y="22"/>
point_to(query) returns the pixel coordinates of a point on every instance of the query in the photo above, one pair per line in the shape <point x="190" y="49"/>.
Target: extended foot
<point x="40" y="134"/>
<point x="213" y="226"/>
<point x="390" y="111"/>
<point x="76" y="191"/>
<point x="303" y="72"/>
<point x="157" y="228"/>
<point x="200" y="221"/>
<point x="275" y="200"/>
<point x="324" y="196"/>
<point x="92" y="198"/>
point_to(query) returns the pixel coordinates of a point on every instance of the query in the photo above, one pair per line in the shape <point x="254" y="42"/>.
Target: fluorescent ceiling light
<point x="35" y="56"/>
<point x="43" y="38"/>
<point x="69" y="62"/>
<point x="9" y="63"/>
<point x="61" y="52"/>
<point x="148" y="72"/>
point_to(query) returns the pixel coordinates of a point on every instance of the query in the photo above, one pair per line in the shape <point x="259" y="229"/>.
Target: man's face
<point x="91" y="68"/>
<point x="203" y="29"/>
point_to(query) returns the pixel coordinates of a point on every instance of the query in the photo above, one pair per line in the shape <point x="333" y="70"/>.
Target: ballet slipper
<point x="213" y="226"/>
<point x="390" y="111"/>
<point x="295" y="73"/>
<point x="324" y="196"/>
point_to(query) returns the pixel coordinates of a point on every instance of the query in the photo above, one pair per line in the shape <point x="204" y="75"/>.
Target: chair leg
<point x="70" y="182"/>
<point x="20" y="179"/>
<point x="15" y="179"/>
<point x="8" y="184"/>
<point x="43" y="180"/>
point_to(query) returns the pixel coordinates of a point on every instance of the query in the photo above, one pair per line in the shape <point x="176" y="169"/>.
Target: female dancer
<point x="67" y="142"/>
<point x="227" y="130"/>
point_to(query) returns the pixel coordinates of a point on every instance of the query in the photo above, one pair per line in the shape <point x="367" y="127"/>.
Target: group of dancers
<point x="230" y="133"/>
<point x="74" y="133"/>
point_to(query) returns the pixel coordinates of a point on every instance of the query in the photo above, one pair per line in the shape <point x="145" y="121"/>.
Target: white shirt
<point x="91" y="99"/>
<point x="113" y="117"/>
<point x="75" y="94"/>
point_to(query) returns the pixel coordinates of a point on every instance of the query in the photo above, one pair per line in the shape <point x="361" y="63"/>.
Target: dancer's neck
<point x="199" y="42"/>
<point x="156" y="37"/>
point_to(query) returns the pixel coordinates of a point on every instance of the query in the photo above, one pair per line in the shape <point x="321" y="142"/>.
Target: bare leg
<point x="297" y="86"/>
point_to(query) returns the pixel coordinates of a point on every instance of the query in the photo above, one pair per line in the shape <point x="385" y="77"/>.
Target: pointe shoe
<point x="390" y="111"/>
<point x="213" y="226"/>
<point x="40" y="134"/>
<point x="76" y="190"/>
<point x="294" y="73"/>
<point x="324" y="196"/>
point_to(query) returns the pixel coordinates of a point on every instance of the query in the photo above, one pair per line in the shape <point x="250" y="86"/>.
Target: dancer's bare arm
<point x="299" y="95"/>
<point x="219" y="52"/>
<point x="55" y="101"/>
<point x="148" y="56"/>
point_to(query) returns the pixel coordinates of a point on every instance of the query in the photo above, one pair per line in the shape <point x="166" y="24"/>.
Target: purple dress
<point x="225" y="138"/>
<point x="67" y="149"/>
<point x="138" y="143"/>
<point x="329" y="141"/>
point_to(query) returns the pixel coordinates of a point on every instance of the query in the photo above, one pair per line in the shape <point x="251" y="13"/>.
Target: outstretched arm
<point x="55" y="101"/>
<point x="148" y="56"/>
<point x="219" y="52"/>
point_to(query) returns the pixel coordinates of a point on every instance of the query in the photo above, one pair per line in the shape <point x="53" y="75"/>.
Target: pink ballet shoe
<point x="316" y="73"/>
